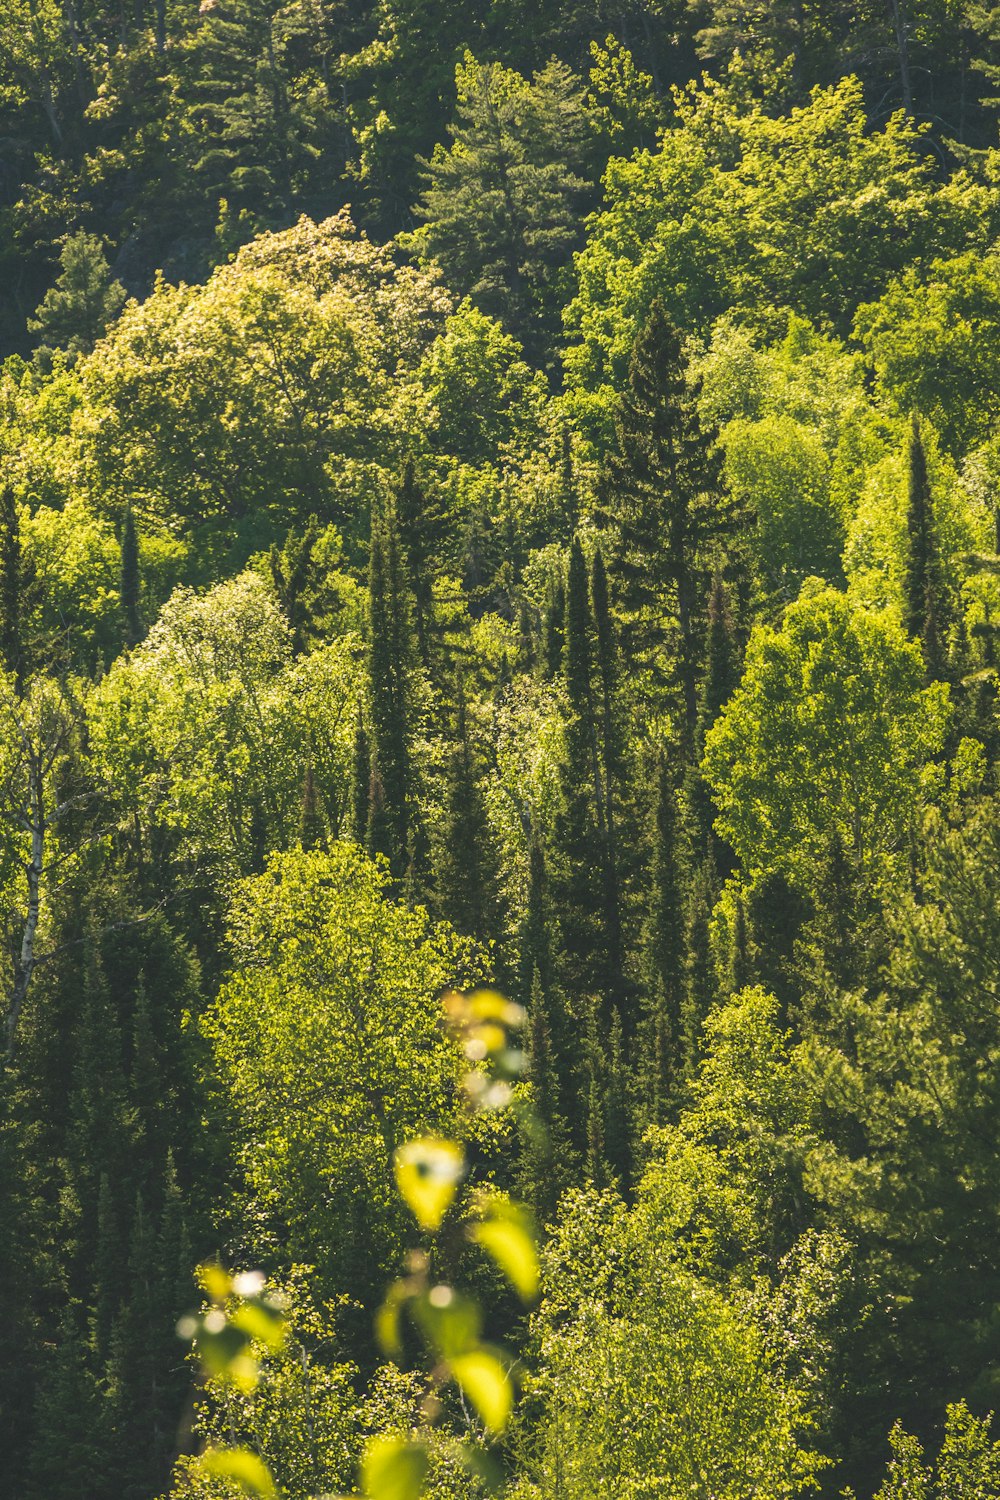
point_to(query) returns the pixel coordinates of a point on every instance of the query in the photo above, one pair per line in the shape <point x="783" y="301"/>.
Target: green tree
<point x="925" y="614"/>
<point x="662" y="496"/>
<point x="18" y="591"/>
<point x="502" y="205"/>
<point x="85" y="300"/>
<point x="391" y="665"/>
<point x="830" y="730"/>
<point x="318" y="937"/>
<point x="130" y="578"/>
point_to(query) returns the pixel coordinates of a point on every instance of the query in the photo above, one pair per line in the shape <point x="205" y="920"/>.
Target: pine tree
<point x="553" y="629"/>
<point x="569" y="497"/>
<point x="84" y="301"/>
<point x="722" y="675"/>
<point x="466" y="877"/>
<point x="925" y="605"/>
<point x="391" y="663"/>
<point x="292" y="568"/>
<point x="130" y="578"/>
<point x="361" y="780"/>
<point x="617" y="1132"/>
<point x="609" y="734"/>
<point x="18" y="591"/>
<point x="547" y="1167"/>
<point x="70" y="1436"/>
<point x="661" y="498"/>
<point x="664" y="948"/>
<point x="421" y="529"/>
<point x="700" y="981"/>
<point x="580" y="827"/>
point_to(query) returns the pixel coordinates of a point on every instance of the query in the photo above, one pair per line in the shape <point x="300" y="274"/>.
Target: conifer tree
<point x="130" y="578"/>
<point x="923" y="585"/>
<point x="70" y="1436"/>
<point x="361" y="780"/>
<point x="722" y="673"/>
<point x="617" y="1133"/>
<point x="421" y="527"/>
<point x="700" y="982"/>
<point x="391" y="662"/>
<point x="548" y="1154"/>
<point x="84" y="300"/>
<point x="580" y="827"/>
<point x="569" y="496"/>
<point x="466" y="878"/>
<point x="18" y="578"/>
<point x="606" y="654"/>
<point x="553" y="628"/>
<point x="292" y="567"/>
<point x="722" y="657"/>
<point x="664" y="948"/>
<point x="661" y="497"/>
<point x="311" y="830"/>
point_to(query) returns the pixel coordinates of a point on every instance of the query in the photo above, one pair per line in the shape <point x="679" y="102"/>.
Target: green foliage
<point x="737" y="209"/>
<point x="84" y="301"/>
<point x="502" y="207"/>
<point x="316" y="938"/>
<point x="830" y="732"/>
<point x="618" y="1335"/>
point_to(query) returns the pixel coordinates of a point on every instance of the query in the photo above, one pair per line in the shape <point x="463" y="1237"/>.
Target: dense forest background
<point x="503" y="493"/>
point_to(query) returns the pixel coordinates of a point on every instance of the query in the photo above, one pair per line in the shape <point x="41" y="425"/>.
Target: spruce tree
<point x="580" y="827"/>
<point x="664" y="949"/>
<point x="18" y="579"/>
<point x="130" y="579"/>
<point x="421" y="529"/>
<point x="722" y="674"/>
<point x="925" y="604"/>
<point x="610" y="739"/>
<point x="569" y="497"/>
<point x="661" y="499"/>
<point x="292" y="568"/>
<point x="85" y="299"/>
<point x="361" y="780"/>
<point x="553" y="629"/>
<point x="391" y="664"/>
<point x="466" y="877"/>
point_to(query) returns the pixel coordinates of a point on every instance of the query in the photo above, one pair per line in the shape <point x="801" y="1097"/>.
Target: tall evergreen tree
<point x="664" y="949"/>
<point x="662" y="498"/>
<point x="722" y="675"/>
<point x="130" y="578"/>
<point x="361" y="780"/>
<point x="466" y="878"/>
<point x="292" y="568"/>
<point x="18" y="589"/>
<point x="311" y="830"/>
<point x="923" y="584"/>
<point x="421" y="529"/>
<point x="553" y="628"/>
<point x="391" y="663"/>
<point x="580" y="828"/>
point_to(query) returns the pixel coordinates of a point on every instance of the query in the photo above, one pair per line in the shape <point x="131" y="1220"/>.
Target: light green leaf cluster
<point x="830" y="733"/>
<point x="205" y="730"/>
<point x="329" y="1048"/>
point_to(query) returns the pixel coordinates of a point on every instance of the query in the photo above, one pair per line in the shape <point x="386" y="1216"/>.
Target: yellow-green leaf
<point x="249" y="1471"/>
<point x="262" y="1322"/>
<point x="216" y="1282"/>
<point x="509" y="1240"/>
<point x="427" y="1174"/>
<point x="393" y="1469"/>
<point x="487" y="1385"/>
